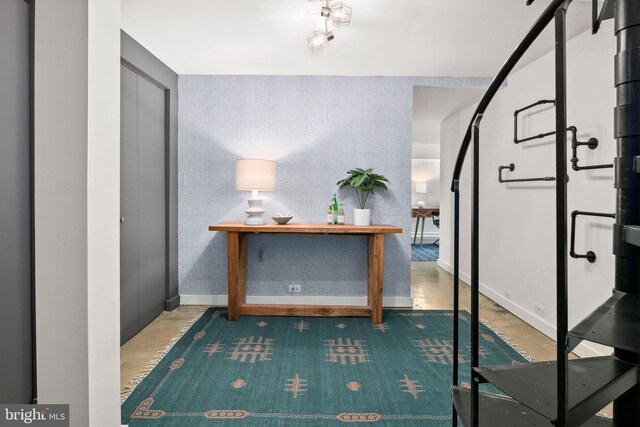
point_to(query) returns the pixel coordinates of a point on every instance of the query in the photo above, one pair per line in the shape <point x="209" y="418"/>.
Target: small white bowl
<point x="282" y="220"/>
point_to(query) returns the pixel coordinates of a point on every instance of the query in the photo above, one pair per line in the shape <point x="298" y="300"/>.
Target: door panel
<point x="15" y="206"/>
<point x="129" y="289"/>
<point x="151" y="184"/>
<point x="143" y="228"/>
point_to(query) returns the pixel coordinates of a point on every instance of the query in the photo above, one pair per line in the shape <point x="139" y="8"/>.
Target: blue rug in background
<point x="426" y="252"/>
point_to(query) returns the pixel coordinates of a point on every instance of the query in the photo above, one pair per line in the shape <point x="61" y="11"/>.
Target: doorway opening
<point x="431" y="106"/>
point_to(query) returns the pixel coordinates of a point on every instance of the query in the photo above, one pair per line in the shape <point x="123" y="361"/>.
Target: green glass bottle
<point x="335" y="207"/>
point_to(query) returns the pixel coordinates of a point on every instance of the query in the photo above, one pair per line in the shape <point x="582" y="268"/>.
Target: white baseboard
<point x="430" y="234"/>
<point x="443" y="265"/>
<point x="427" y="237"/>
<point x="585" y="349"/>
<point x="221" y="300"/>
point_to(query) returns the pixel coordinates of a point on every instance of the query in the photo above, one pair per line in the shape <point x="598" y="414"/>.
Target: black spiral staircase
<point x="567" y="392"/>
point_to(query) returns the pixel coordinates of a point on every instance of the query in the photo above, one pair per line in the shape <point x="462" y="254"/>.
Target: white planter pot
<point x="362" y="217"/>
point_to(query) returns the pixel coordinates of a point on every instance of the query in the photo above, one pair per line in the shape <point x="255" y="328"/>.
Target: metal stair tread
<point x="593" y="383"/>
<point x="502" y="411"/>
<point x="614" y="324"/>
<point x="631" y="234"/>
<point x="496" y="410"/>
<point x="607" y="10"/>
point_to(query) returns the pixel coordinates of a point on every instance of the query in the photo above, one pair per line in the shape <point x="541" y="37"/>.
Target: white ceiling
<point x="386" y="37"/>
<point x="431" y="105"/>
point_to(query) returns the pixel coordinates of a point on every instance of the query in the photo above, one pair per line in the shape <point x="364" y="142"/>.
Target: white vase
<point x="362" y="217"/>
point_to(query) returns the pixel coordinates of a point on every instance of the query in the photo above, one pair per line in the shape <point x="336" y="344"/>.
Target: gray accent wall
<point x="315" y="128"/>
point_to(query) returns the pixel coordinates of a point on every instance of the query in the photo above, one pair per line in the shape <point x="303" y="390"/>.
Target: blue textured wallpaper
<point x="315" y="128"/>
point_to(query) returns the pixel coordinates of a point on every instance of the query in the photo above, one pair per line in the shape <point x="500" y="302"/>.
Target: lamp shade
<point x="253" y="174"/>
<point x="421" y="187"/>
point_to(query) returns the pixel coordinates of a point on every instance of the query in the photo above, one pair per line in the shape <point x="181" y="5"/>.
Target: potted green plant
<point x="365" y="182"/>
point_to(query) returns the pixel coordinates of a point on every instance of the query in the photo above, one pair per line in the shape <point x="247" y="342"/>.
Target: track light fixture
<point x="318" y="40"/>
<point x="340" y="16"/>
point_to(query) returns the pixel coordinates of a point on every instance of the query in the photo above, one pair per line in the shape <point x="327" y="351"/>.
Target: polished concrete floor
<point x="432" y="288"/>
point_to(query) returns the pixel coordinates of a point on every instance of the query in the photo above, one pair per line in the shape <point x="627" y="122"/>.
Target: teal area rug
<point x="310" y="372"/>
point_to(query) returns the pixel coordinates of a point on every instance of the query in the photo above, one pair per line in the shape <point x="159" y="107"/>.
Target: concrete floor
<point x="432" y="289"/>
<point x="139" y="350"/>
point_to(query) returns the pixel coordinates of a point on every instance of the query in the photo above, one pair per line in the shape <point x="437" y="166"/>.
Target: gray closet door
<point x="129" y="292"/>
<point x="151" y="196"/>
<point x="142" y="186"/>
<point x="15" y="205"/>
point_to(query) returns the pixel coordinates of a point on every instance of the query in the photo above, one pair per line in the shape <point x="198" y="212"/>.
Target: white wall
<point x="425" y="130"/>
<point x="517" y="220"/>
<point x="103" y="213"/>
<point x="426" y="171"/>
<point x="77" y="105"/>
<point x="426" y="150"/>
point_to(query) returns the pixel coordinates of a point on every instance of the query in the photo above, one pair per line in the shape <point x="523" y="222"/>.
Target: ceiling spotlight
<point x="318" y="40"/>
<point x="339" y="14"/>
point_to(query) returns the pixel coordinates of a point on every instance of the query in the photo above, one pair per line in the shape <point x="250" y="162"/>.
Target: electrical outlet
<point x="539" y="310"/>
<point x="507" y="293"/>
<point x="294" y="287"/>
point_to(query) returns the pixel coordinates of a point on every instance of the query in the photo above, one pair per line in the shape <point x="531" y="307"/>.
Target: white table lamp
<point x="421" y="188"/>
<point x="255" y="175"/>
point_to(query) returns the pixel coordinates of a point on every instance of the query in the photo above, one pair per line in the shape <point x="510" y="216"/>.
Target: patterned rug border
<point x="157" y="358"/>
<point x="522" y="352"/>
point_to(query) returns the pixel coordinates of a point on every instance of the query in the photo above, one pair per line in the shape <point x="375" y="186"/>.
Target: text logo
<point x="34" y="415"/>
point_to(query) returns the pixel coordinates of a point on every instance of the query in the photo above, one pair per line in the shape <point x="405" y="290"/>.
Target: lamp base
<point x="255" y="212"/>
<point x="421" y="204"/>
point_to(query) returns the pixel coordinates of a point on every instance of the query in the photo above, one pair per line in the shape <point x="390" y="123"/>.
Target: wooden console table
<point x="237" y="233"/>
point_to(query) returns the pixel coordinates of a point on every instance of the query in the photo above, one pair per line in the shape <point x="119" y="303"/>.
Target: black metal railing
<point x="456" y="288"/>
<point x="511" y="167"/>
<point x="590" y="255"/>
<point x="555" y="11"/>
<point x="475" y="276"/>
<point x="592" y="143"/>
<point x="516" y="113"/>
<point x="562" y="309"/>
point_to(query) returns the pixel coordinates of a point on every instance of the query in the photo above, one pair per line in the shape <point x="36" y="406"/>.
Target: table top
<point x="305" y="228"/>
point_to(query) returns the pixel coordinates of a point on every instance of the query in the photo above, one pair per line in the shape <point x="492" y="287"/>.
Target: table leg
<point x="422" y="230"/>
<point x="234" y="252"/>
<point x="376" y="273"/>
<point x="242" y="269"/>
<point x="415" y="235"/>
<point x="370" y="272"/>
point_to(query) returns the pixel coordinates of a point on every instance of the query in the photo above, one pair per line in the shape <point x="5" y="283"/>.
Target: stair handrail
<point x="534" y="32"/>
<point x="555" y="11"/>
